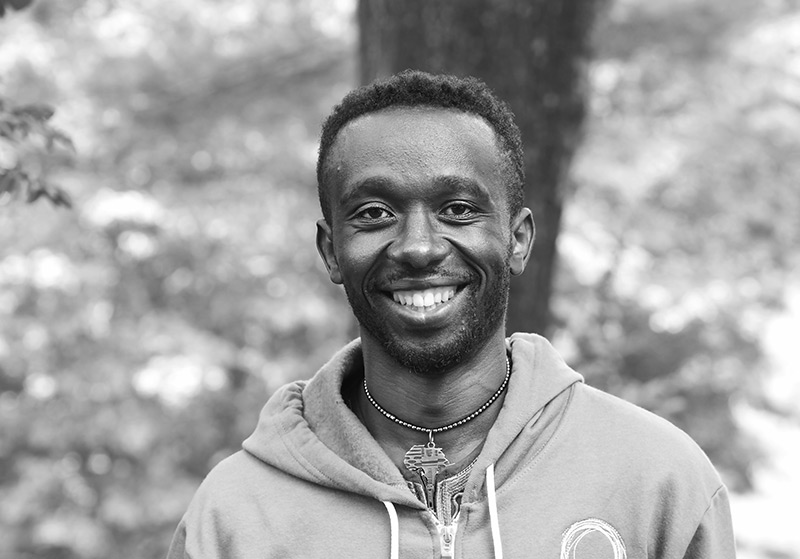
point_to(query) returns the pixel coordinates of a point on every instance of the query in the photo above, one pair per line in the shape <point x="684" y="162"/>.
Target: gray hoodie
<point x="566" y="472"/>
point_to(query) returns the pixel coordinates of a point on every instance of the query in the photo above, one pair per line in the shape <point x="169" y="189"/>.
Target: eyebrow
<point x="464" y="185"/>
<point x="381" y="186"/>
<point x="369" y="186"/>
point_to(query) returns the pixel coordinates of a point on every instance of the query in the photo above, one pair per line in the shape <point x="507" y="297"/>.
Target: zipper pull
<point x="447" y="539"/>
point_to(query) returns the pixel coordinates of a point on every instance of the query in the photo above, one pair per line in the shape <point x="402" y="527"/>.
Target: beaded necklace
<point x="427" y="460"/>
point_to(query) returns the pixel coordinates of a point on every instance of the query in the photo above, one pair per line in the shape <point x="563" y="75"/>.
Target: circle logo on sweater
<point x="592" y="539"/>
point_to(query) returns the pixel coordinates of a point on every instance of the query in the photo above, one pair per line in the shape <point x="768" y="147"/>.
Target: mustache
<point x="440" y="272"/>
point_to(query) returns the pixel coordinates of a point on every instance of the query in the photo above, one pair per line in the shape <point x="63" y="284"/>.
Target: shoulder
<point x="225" y="517"/>
<point x="634" y="437"/>
<point x="238" y="478"/>
<point x="621" y="419"/>
<point x="233" y="494"/>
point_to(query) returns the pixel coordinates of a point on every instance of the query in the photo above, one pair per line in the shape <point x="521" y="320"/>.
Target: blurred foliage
<point x="141" y="333"/>
<point x="23" y="129"/>
<point x="15" y="4"/>
<point x="681" y="241"/>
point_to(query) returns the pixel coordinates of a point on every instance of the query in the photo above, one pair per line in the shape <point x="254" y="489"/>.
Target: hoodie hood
<point x="307" y="431"/>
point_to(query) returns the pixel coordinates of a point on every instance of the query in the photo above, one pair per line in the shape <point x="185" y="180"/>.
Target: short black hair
<point x="413" y="88"/>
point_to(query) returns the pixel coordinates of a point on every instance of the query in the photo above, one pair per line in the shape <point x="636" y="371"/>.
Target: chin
<point x="431" y="357"/>
<point x="429" y="361"/>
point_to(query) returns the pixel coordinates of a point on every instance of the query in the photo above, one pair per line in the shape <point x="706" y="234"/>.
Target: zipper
<point x="447" y="536"/>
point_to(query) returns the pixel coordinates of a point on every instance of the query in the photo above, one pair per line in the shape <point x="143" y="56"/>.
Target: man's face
<point x="420" y="234"/>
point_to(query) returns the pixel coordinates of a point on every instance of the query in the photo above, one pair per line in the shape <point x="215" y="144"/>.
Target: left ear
<point x="523" y="231"/>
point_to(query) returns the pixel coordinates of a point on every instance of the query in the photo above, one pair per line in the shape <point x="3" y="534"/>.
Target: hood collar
<point x="306" y="429"/>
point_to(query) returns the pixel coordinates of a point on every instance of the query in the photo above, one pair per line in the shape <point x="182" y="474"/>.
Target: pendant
<point x="426" y="460"/>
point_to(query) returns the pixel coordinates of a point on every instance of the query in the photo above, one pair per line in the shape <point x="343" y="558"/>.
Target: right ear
<point x="326" y="251"/>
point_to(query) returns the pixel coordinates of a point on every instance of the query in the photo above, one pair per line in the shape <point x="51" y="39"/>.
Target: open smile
<point x="425" y="299"/>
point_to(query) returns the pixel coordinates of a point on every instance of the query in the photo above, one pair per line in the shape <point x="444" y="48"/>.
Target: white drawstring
<point x="490" y="493"/>
<point x="394" y="528"/>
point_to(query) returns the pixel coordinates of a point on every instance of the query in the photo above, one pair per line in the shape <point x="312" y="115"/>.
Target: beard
<point x="480" y="322"/>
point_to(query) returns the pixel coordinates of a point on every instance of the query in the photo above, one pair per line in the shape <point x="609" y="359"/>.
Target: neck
<point x="432" y="400"/>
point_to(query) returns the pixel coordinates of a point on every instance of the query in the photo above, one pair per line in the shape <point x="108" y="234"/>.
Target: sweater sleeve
<point x="713" y="538"/>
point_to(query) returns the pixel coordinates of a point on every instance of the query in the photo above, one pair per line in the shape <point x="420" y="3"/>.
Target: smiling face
<point x="420" y="233"/>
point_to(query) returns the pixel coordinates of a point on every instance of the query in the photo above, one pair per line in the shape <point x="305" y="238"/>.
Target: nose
<point x="419" y="244"/>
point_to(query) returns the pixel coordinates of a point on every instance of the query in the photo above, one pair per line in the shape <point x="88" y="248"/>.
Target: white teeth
<point x="425" y="298"/>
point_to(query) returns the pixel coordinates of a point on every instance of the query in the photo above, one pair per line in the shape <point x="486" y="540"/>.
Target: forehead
<point x="412" y="143"/>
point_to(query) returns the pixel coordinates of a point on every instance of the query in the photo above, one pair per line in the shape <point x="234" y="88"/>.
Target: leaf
<point x="58" y="137"/>
<point x="19" y="4"/>
<point x="60" y="197"/>
<point x="34" y="194"/>
<point x="38" y="188"/>
<point x="8" y="182"/>
<point x="37" y="111"/>
<point x="6" y="129"/>
<point x="20" y="128"/>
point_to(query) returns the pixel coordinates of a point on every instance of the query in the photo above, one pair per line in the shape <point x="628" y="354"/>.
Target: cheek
<point x="356" y="257"/>
<point x="485" y="247"/>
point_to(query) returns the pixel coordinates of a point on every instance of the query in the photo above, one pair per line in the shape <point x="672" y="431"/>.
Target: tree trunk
<point x="533" y="54"/>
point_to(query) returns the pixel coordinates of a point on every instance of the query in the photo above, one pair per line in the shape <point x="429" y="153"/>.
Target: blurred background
<point x="158" y="276"/>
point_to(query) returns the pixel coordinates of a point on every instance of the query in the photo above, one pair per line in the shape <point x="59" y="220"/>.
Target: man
<point x="434" y="435"/>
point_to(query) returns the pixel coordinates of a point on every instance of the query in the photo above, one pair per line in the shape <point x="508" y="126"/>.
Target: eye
<point x="373" y="213"/>
<point x="459" y="211"/>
